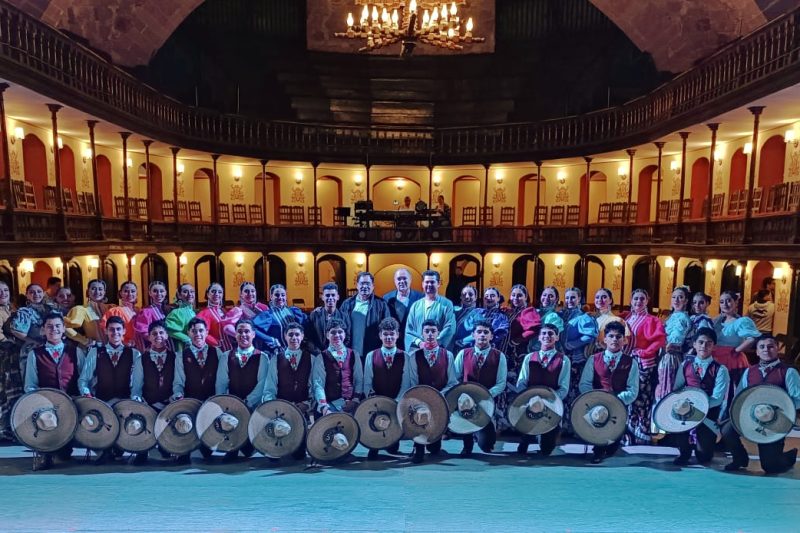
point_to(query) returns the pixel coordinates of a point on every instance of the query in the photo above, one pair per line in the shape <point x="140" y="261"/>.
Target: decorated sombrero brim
<point x="763" y="414"/>
<point x="277" y="428"/>
<point x="175" y="426"/>
<point x="598" y="432"/>
<point x="98" y="425"/>
<point x="423" y="414"/>
<point x="222" y="423"/>
<point x="681" y="411"/>
<point x="474" y="419"/>
<point x="535" y="411"/>
<point x="378" y="423"/>
<point x="332" y="437"/>
<point x="44" y="420"/>
<point x="137" y="423"/>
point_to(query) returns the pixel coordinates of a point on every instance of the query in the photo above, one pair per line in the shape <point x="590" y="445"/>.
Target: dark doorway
<point x="694" y="276"/>
<point x="154" y="268"/>
<point x="331" y="268"/>
<point x="470" y="269"/>
<point x="647" y="275"/>
<point x="75" y="277"/>
<point x="528" y="270"/>
<point x="109" y="275"/>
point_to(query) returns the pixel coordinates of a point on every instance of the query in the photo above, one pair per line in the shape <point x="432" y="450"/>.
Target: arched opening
<point x="732" y="280"/>
<point x="526" y="197"/>
<point x="104" y="185"/>
<point x="389" y="193"/>
<point x="329" y="196"/>
<point x="7" y="277"/>
<point x="202" y="186"/>
<point x="384" y="278"/>
<point x="41" y="271"/>
<point x="108" y="274"/>
<point x="332" y="268"/>
<point x="273" y="184"/>
<point x="34" y="161"/>
<point x="645" y="196"/>
<point x="277" y="272"/>
<point x="67" y="166"/>
<point x="528" y="270"/>
<point x="463" y="270"/>
<point x="771" y="162"/>
<point x="598" y="194"/>
<point x="75" y="281"/>
<point x="647" y="276"/>
<point x="155" y="190"/>
<point x="589" y="276"/>
<point x="694" y="276"/>
<point x="207" y="270"/>
<point x="466" y="193"/>
<point x="699" y="186"/>
<point x="154" y="268"/>
<point x="738" y="170"/>
<point x="761" y="271"/>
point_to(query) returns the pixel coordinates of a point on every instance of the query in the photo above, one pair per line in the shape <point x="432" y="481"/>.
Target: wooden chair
<point x="717" y="201"/>
<point x="183" y="210"/>
<point x="469" y="216"/>
<point x="793" y="202"/>
<point x="340" y="216"/>
<point x="686" y="208"/>
<point x="224" y="213"/>
<point x="18" y="192"/>
<point x="632" y="211"/>
<point x="603" y="213"/>
<point x="617" y="213"/>
<point x="30" y="195"/>
<point x="663" y="211"/>
<point x="49" y="198"/>
<point x="142" y="203"/>
<point x="133" y="208"/>
<point x="507" y="216"/>
<point x="285" y="214"/>
<point x="67" y="201"/>
<point x="82" y="203"/>
<point x="733" y="203"/>
<point x="743" y="195"/>
<point x="487" y="216"/>
<point x="540" y="215"/>
<point x="557" y="215"/>
<point x="757" y="194"/>
<point x="314" y="216"/>
<point x="298" y="218"/>
<point x="573" y="215"/>
<point x="167" y="209"/>
<point x="239" y="213"/>
<point x="256" y="214"/>
<point x="195" y="212"/>
<point x="672" y="214"/>
<point x="119" y="206"/>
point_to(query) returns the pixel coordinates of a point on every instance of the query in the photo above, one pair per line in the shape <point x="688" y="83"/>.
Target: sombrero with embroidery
<point x="471" y="407"/>
<point x="98" y="425"/>
<point x="221" y="423"/>
<point x="423" y="414"/>
<point x="681" y="411"/>
<point x="536" y="410"/>
<point x="44" y="420"/>
<point x="598" y="417"/>
<point x="332" y="437"/>
<point x="763" y="414"/>
<point x="277" y="428"/>
<point x="378" y="423"/>
<point x="175" y="427"/>
<point x="137" y="422"/>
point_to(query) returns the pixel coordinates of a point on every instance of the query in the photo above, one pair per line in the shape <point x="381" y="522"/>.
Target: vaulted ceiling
<point x="675" y="32"/>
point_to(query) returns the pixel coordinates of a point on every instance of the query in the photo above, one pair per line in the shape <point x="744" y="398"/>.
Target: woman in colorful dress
<point x="492" y="312"/>
<point x="699" y="317"/>
<point x="523" y="326"/>
<point x="604" y="303"/>
<point x="270" y="324"/>
<point x="126" y="310"/>
<point x="84" y="322"/>
<point x="216" y="319"/>
<point x="248" y="308"/>
<point x="735" y="335"/>
<point x="463" y="312"/>
<point x="65" y="300"/>
<point x="678" y="328"/>
<point x="547" y="314"/>
<point x="177" y="320"/>
<point x="647" y="339"/>
<point x="157" y="310"/>
<point x="578" y="337"/>
<point x="10" y="373"/>
<point x="25" y="324"/>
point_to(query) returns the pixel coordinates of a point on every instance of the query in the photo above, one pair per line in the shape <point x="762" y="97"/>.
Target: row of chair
<point x="559" y="215"/>
<point x="73" y="202"/>
<point x="617" y="213"/>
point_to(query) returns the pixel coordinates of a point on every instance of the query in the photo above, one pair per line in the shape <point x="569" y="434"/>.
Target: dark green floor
<point x="639" y="490"/>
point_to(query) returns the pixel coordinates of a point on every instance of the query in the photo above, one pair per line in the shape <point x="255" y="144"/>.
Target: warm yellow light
<point x="400" y="184"/>
<point x="469" y="24"/>
<point x="385" y="16"/>
<point x="435" y="15"/>
<point x="789" y="136"/>
<point x="709" y="266"/>
<point x="426" y="18"/>
<point x="436" y="259"/>
<point x="94" y="263"/>
<point x="360" y="260"/>
<point x="301" y="259"/>
<point x="778" y="273"/>
<point x="412" y="7"/>
<point x="183" y="260"/>
<point x="748" y="148"/>
<point x="559" y="261"/>
<point x="719" y="153"/>
<point x="622" y="171"/>
<point x="562" y="176"/>
<point x="19" y="133"/>
<point x="617" y="262"/>
<point x="60" y="143"/>
<point x="453" y="9"/>
<point x="365" y="14"/>
<point x="738" y="270"/>
<point x="239" y="259"/>
<point x="87" y="153"/>
<point x="237" y="173"/>
<point x="298" y="177"/>
<point x="437" y="180"/>
<point x="129" y="163"/>
<point x="374" y="14"/>
<point x="450" y="33"/>
<point x="58" y="263"/>
<point x="499" y="175"/>
<point x="181" y="168"/>
<point x="669" y="263"/>
<point x="27" y="266"/>
<point x="133" y="260"/>
<point x="350" y="20"/>
<point x="496" y="260"/>
<point x="358" y="179"/>
<point x="674" y="166"/>
<point x="444" y="12"/>
<point x="395" y="18"/>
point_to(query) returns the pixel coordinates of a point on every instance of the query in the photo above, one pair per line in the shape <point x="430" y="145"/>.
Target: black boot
<point x="372" y="454"/>
<point x="140" y="459"/>
<point x="522" y="449"/>
<point x="419" y="453"/>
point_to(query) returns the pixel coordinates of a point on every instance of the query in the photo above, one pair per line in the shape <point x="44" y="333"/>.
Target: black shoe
<point x="164" y="453"/>
<point x="597" y="458"/>
<point x="230" y="457"/>
<point x="735" y="465"/>
<point x="522" y="449"/>
<point x="206" y="452"/>
<point x="140" y="459"/>
<point x="299" y="454"/>
<point x="466" y="451"/>
<point x="681" y="460"/>
<point x="43" y="462"/>
<point x="64" y="454"/>
<point x="105" y="457"/>
<point x="183" y="459"/>
<point x="418" y="455"/>
<point x="372" y="454"/>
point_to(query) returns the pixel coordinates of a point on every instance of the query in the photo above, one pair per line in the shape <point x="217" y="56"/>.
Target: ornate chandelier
<point x="392" y="21"/>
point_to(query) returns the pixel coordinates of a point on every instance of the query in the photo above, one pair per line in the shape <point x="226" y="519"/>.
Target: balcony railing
<point x="46" y="60"/>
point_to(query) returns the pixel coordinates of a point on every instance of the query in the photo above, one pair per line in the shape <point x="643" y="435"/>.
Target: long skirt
<point x="11" y="387"/>
<point x="575" y="372"/>
<point x="640" y="412"/>
<point x="667" y="373"/>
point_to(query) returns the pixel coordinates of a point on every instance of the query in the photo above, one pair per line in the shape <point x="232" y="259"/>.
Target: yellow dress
<point x="87" y="318"/>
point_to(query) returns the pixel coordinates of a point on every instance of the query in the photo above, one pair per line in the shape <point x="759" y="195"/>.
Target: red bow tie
<point x="114" y="359"/>
<point x="293" y="362"/>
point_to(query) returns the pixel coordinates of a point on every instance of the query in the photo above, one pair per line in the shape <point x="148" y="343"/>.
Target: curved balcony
<point x="45" y="60"/>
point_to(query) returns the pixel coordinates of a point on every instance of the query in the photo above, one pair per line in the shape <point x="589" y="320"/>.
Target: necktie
<point x="699" y="371"/>
<point x="201" y="358"/>
<point x="293" y="362"/>
<point x="160" y="360"/>
<point x="56" y="355"/>
<point x="612" y="364"/>
<point x="481" y="359"/>
<point x="243" y="359"/>
<point x="545" y="359"/>
<point x="388" y="360"/>
<point x="114" y="359"/>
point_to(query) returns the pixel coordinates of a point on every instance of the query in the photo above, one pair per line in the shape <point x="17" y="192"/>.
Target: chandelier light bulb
<point x="395" y="18"/>
<point x="374" y="14"/>
<point x="469" y="24"/>
<point x="444" y="12"/>
<point x="426" y="18"/>
<point x="453" y="9"/>
<point x="365" y="15"/>
<point x="412" y="7"/>
<point x="350" y="20"/>
<point x="435" y="15"/>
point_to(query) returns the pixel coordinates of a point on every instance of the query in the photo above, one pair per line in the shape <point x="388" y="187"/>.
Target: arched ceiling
<point x="675" y="32"/>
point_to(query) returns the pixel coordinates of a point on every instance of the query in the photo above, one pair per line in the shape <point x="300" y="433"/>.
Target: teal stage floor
<point x="639" y="490"/>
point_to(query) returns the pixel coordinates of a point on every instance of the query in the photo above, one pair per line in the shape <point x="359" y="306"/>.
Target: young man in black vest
<point x="241" y="373"/>
<point x="338" y="374"/>
<point x="154" y="371"/>
<point x="386" y="370"/>
<point x="289" y="376"/>
<point x="485" y="365"/>
<point x="547" y="367"/>
<point x="614" y="372"/>
<point x="702" y="372"/>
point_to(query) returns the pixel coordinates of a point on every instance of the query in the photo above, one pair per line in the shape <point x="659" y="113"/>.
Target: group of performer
<point x="340" y="356"/>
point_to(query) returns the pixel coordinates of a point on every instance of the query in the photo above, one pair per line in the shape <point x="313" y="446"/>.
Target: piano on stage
<point x="364" y="214"/>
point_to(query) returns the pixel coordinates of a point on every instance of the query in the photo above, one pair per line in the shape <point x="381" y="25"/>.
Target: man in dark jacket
<point x="365" y="311"/>
<point x="400" y="300"/>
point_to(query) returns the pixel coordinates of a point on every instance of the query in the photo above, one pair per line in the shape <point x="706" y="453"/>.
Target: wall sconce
<point x="791" y="137"/>
<point x="719" y="153"/>
<point x="183" y="260"/>
<point x="669" y="262"/>
<point x="435" y="260"/>
<point x="497" y="260"/>
<point x="360" y="260"/>
<point x="779" y="273"/>
<point x="711" y="267"/>
<point x="59" y="143"/>
<point x="301" y="259"/>
<point x="738" y="271"/>
<point x="59" y="264"/>
<point x="622" y="172"/>
<point x="93" y="263"/>
<point x="26" y="267"/>
<point x="358" y="179"/>
<point x="617" y="262"/>
<point x="559" y="262"/>
<point x="19" y="134"/>
<point x="498" y="177"/>
<point x="748" y="148"/>
<point x="87" y="154"/>
<point x="674" y="166"/>
<point x="180" y="168"/>
<point x="237" y="173"/>
<point x="400" y="184"/>
<point x="129" y="163"/>
<point x="562" y="177"/>
<point x="298" y="177"/>
<point x="133" y="260"/>
<point x="239" y="260"/>
<point x="437" y="180"/>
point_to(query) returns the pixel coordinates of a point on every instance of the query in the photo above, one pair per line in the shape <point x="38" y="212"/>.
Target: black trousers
<point x="608" y="450"/>
<point x="547" y="441"/>
<point x="772" y="457"/>
<point x="433" y="447"/>
<point x="486" y="437"/>
<point x="704" y="450"/>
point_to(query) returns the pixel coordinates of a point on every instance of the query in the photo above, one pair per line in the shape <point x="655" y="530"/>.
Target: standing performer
<point x="547" y="367"/>
<point x="487" y="366"/>
<point x="271" y="324"/>
<point x="386" y="370"/>
<point x="215" y="318"/>
<point x="577" y="338"/>
<point x="10" y="373"/>
<point x="157" y="310"/>
<point x="523" y="325"/>
<point x="431" y="307"/>
<point x="25" y="324"/>
<point x="648" y="337"/>
<point x="464" y="318"/>
<point x="678" y="327"/>
<point x="54" y="365"/>
<point x="604" y="303"/>
<point x="108" y="374"/>
<point x="547" y="314"/>
<point x="431" y="365"/>
<point x="365" y="311"/>
<point x="154" y="371"/>
<point x="401" y="299"/>
<point x="612" y="371"/>
<point x="338" y="376"/>
<point x="242" y="372"/>
<point x="178" y="319"/>
<point x="735" y="335"/>
<point x="84" y="322"/>
<point x="771" y="371"/>
<point x="126" y="310"/>
<point x="704" y="373"/>
<point x="699" y="316"/>
<point x="249" y="307"/>
<point x="289" y="377"/>
<point x="320" y="317"/>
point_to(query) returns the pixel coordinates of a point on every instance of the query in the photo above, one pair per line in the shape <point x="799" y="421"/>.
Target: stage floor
<point x="638" y="490"/>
